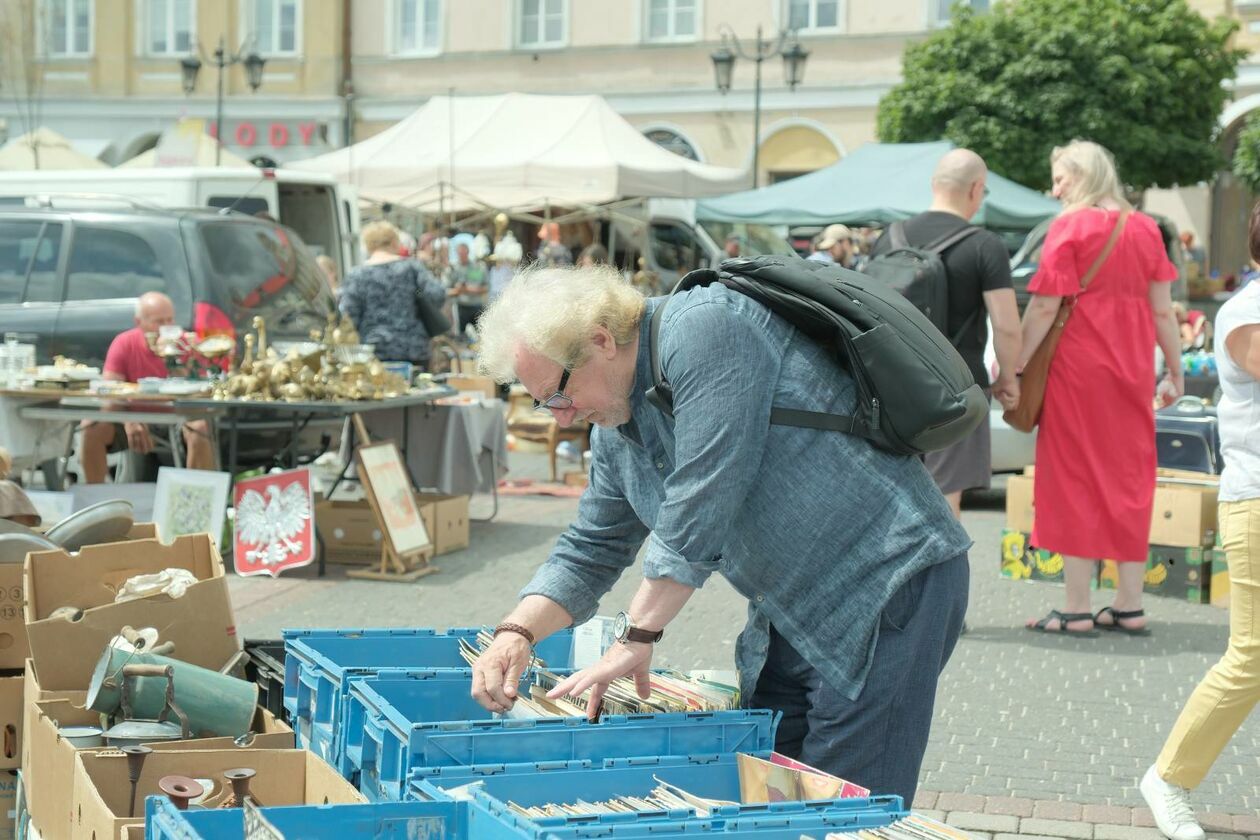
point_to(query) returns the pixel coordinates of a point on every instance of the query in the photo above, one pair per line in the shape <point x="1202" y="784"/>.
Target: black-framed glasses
<point x="558" y="401"/>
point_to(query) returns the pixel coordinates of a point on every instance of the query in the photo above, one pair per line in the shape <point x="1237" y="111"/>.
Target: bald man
<point x="979" y="275"/>
<point x="130" y="358"/>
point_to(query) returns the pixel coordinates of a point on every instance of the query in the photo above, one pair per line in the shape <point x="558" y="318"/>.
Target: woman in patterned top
<point x="380" y="298"/>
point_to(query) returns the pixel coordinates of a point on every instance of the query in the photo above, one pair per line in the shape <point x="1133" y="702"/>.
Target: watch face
<point x="621" y="625"/>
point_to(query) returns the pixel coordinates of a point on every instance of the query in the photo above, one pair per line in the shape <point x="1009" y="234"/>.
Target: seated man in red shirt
<point x="129" y="359"/>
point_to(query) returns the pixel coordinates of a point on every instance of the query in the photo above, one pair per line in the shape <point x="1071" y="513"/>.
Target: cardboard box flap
<point x="93" y="577"/>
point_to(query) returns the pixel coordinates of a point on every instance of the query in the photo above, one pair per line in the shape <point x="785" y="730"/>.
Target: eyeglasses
<point x="558" y="401"/>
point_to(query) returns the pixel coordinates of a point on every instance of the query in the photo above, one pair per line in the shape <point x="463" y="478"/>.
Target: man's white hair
<point x="554" y="311"/>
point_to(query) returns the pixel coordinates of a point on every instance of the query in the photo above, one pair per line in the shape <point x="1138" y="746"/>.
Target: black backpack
<point x="919" y="274"/>
<point x="915" y="393"/>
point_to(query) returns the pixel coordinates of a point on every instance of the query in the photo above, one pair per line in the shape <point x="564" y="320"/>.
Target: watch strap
<point x="638" y="634"/>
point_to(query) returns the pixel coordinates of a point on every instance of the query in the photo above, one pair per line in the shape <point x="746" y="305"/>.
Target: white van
<point x="322" y="211"/>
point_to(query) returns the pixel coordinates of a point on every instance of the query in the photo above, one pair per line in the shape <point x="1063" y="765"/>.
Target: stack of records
<point x="913" y="827"/>
<point x="664" y="797"/>
<point x="672" y="691"/>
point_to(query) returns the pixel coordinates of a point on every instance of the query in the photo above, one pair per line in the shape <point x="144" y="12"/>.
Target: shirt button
<point x="660" y="465"/>
<point x="760" y="598"/>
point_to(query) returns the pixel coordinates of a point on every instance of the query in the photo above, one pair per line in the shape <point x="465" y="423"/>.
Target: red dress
<point x="1095" y="478"/>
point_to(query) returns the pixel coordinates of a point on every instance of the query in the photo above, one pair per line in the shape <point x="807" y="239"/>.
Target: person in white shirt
<point x="1231" y="689"/>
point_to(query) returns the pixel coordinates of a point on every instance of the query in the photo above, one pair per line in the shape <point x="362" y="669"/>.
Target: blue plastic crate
<point x="387" y="821"/>
<point x="396" y="722"/>
<point x="710" y="776"/>
<point x="320" y="663"/>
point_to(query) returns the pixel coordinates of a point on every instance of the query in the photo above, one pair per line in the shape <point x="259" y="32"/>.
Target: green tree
<point x="1247" y="155"/>
<point x="1145" y="78"/>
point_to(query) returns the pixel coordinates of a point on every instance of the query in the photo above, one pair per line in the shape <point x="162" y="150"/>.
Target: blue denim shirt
<point x="817" y="529"/>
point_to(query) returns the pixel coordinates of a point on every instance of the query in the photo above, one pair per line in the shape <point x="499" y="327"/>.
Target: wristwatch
<point x="625" y="631"/>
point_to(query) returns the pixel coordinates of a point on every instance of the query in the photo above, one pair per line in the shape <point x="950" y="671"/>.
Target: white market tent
<point x="54" y="152"/>
<point x="517" y="150"/>
<point x="203" y="155"/>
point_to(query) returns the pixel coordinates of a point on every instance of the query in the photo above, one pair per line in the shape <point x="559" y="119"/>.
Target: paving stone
<point x="1246" y="824"/>
<point x="1142" y="818"/>
<point x="1011" y="805"/>
<point x="960" y="802"/>
<point x="1026" y="837"/>
<point x="1126" y="832"/>
<point x="924" y="799"/>
<point x="1056" y="810"/>
<point x="1057" y="828"/>
<point x="1215" y="821"/>
<point x="931" y="814"/>
<point x="1110" y="814"/>
<point x="969" y="820"/>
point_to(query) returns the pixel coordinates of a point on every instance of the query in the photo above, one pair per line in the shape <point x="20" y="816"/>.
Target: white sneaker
<point x="1170" y="806"/>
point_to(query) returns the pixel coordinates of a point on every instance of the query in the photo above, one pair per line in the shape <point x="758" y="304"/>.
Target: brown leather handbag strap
<point x="1106" y="251"/>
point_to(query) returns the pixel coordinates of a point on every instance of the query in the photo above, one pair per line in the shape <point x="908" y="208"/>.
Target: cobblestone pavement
<point x="1035" y="735"/>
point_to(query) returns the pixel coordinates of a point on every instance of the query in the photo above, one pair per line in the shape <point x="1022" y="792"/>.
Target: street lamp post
<point x="724" y="56"/>
<point x="190" y="66"/>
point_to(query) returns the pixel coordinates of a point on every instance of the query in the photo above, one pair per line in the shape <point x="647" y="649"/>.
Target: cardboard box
<point x="1218" y="595"/>
<point x="1184" y="515"/>
<point x="200" y="622"/>
<point x="483" y="385"/>
<point x="1022" y="561"/>
<point x="350" y="532"/>
<point x="8" y="803"/>
<point x="449" y="530"/>
<point x="48" y="759"/>
<point x="1019" y="503"/>
<point x="102" y="793"/>
<point x="1178" y="572"/>
<point x="11" y="721"/>
<point x="14" y="647"/>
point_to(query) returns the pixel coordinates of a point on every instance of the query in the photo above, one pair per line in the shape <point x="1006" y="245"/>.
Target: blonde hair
<point x="6" y="463"/>
<point x="554" y="311"/>
<point x="380" y="236"/>
<point x="1095" y="169"/>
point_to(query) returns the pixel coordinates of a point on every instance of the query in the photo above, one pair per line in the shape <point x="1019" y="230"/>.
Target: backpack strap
<point x="949" y="240"/>
<point x="897" y="236"/>
<point x="661" y="395"/>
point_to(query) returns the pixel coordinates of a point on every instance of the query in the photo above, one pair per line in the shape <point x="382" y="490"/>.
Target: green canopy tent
<point x="876" y="185"/>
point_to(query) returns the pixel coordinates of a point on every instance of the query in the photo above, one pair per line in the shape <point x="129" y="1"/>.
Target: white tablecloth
<point x="30" y="442"/>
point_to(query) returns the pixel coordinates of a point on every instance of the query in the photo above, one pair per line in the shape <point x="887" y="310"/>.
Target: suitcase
<point x="1187" y="437"/>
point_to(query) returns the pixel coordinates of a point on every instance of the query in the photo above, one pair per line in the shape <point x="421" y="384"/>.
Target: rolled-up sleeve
<point x="594" y="551"/>
<point x="723" y="368"/>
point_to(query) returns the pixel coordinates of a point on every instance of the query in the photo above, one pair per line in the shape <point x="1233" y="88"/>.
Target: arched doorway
<point x="796" y="148"/>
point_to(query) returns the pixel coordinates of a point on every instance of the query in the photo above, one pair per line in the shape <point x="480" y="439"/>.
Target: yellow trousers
<point x="1231" y="689"/>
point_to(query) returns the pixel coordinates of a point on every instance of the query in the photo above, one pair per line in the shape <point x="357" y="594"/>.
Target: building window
<point x="67" y="27"/>
<point x="943" y="10"/>
<point x="813" y="14"/>
<point x="273" y="26"/>
<point x="543" y="23"/>
<point x="417" y="27"/>
<point x="671" y="20"/>
<point x="169" y="26"/>
<point x="672" y="141"/>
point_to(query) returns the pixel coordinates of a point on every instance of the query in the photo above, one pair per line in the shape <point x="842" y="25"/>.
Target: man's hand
<point x="138" y="439"/>
<point x="1006" y="389"/>
<point x="498" y="671"/>
<point x="621" y="659"/>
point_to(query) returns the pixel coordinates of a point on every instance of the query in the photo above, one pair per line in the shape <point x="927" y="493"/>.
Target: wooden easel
<point x="393" y="566"/>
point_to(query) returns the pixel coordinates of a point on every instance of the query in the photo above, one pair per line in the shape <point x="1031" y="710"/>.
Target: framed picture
<point x="389" y="492"/>
<point x="274" y="523"/>
<point x="190" y="502"/>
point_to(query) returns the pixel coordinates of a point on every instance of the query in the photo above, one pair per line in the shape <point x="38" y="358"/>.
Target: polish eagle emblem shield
<point x="274" y="523"/>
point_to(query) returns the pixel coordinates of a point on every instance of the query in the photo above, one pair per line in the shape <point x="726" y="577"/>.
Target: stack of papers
<point x="913" y="827"/>
<point x="664" y="797"/>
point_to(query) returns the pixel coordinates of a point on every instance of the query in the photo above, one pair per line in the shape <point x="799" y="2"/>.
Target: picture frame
<point x="387" y="486"/>
<point x="190" y="502"/>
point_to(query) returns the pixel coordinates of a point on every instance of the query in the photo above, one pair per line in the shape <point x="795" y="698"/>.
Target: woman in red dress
<point x="1095" y="479"/>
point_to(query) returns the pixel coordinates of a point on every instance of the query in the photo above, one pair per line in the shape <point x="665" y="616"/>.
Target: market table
<point x="299" y="414"/>
<point x="68" y="408"/>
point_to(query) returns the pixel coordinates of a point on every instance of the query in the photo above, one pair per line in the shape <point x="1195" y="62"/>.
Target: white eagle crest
<point x="271" y="523"/>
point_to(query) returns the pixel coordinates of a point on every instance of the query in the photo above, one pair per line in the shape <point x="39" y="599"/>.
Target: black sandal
<point x="1043" y="626"/>
<point x="1118" y="616"/>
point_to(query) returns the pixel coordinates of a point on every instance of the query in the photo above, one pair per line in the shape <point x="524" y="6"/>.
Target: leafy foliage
<point x="1142" y="77"/>
<point x="1247" y="155"/>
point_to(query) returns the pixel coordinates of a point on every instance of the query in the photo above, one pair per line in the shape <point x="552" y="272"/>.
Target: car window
<point x="265" y="270"/>
<point x="107" y="263"/>
<point x="674" y="248"/>
<point x="28" y="261"/>
<point x="249" y="205"/>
